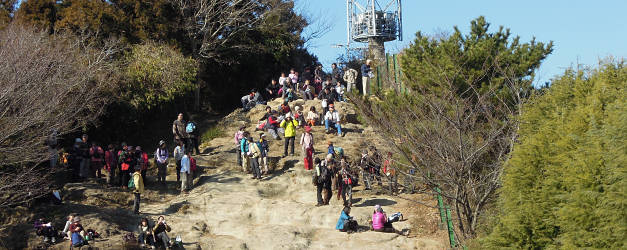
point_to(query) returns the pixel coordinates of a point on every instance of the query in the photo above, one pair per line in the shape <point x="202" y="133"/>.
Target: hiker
<point x="179" y="152"/>
<point x="328" y="163"/>
<point x="85" y="158"/>
<point x="307" y="91"/>
<point x="111" y="164"/>
<point x="328" y="84"/>
<point x="327" y="97"/>
<point x="312" y="116"/>
<point x="263" y="121"/>
<point x="193" y="168"/>
<point x="96" y="155"/>
<point x="350" y="77"/>
<point x="346" y="223"/>
<point x="77" y="233"/>
<point x="66" y="229"/>
<point x="283" y="80"/>
<point x="375" y="162"/>
<point x="144" y="234"/>
<point x="254" y="152"/>
<point x="346" y="184"/>
<point x="272" y="125"/>
<point x="46" y="230"/>
<point x="124" y="148"/>
<point x="330" y="148"/>
<point x="179" y="130"/>
<point x="265" y="148"/>
<point x="332" y="119"/>
<point x="129" y="161"/>
<point x="336" y="74"/>
<point x="161" y="160"/>
<point x="160" y="232"/>
<point x="193" y="138"/>
<point x="366" y="74"/>
<point x="339" y="90"/>
<point x="307" y="75"/>
<point x="251" y="100"/>
<point x="293" y="77"/>
<point x="75" y="159"/>
<point x="244" y="150"/>
<point x="185" y="171"/>
<point x="390" y="172"/>
<point x="307" y="144"/>
<point x="52" y="142"/>
<point x="272" y="91"/>
<point x="298" y="116"/>
<point x="290" y="126"/>
<point x="239" y="134"/>
<point x="320" y="179"/>
<point x="379" y="221"/>
<point x="142" y="161"/>
<point x="138" y="188"/>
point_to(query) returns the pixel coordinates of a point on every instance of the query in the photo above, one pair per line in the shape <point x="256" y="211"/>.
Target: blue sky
<point x="582" y="31"/>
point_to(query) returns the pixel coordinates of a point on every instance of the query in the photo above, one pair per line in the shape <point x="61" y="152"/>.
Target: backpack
<point x="190" y="128"/>
<point x="339" y="152"/>
<point x="324" y="175"/>
<point x="131" y="183"/>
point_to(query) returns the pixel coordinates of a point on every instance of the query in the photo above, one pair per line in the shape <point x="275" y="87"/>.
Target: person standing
<point x="307" y="144"/>
<point x="350" y="77"/>
<point x="161" y="160"/>
<point x="129" y="161"/>
<point x="239" y="134"/>
<point x="289" y="125"/>
<point x="96" y="155"/>
<point x="265" y="148"/>
<point x="179" y="130"/>
<point x="193" y="138"/>
<point x="366" y="74"/>
<point x="254" y="154"/>
<point x="185" y="171"/>
<point x="142" y="161"/>
<point x="390" y="172"/>
<point x="336" y="74"/>
<point x="328" y="163"/>
<point x="244" y="149"/>
<point x="346" y="183"/>
<point x="85" y="158"/>
<point x="52" y="142"/>
<point x="320" y="174"/>
<point x="179" y="152"/>
<point x="138" y="188"/>
<point x="123" y="149"/>
<point x="111" y="164"/>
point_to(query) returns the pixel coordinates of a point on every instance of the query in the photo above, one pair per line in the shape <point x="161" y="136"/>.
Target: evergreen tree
<point x="565" y="184"/>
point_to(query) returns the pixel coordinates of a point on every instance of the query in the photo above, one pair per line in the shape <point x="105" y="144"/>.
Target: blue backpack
<point x="191" y="127"/>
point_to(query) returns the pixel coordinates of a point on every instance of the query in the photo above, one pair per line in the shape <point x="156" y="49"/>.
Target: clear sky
<point x="582" y="31"/>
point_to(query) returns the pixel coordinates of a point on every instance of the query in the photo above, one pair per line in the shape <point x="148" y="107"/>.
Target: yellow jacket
<point x="290" y="128"/>
<point x="138" y="182"/>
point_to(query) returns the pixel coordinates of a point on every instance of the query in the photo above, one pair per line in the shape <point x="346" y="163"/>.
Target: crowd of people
<point x="126" y="166"/>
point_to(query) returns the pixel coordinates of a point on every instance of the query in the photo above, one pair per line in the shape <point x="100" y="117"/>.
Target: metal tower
<point x="374" y="22"/>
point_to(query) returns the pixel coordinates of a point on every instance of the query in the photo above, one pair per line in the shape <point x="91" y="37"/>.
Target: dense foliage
<point x="565" y="184"/>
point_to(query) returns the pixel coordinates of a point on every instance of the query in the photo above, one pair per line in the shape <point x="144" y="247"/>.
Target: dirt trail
<point x="226" y="209"/>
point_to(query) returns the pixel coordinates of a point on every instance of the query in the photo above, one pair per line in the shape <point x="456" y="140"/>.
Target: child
<point x="298" y="116"/>
<point x="312" y="116"/>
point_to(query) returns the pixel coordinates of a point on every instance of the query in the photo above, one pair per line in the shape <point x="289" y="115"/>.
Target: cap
<point x="307" y="129"/>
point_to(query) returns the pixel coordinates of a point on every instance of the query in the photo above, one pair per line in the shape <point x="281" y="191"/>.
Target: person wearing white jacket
<point x="332" y="118"/>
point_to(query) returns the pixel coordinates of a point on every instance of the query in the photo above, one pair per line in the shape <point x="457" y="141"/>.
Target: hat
<point x="329" y="156"/>
<point x="76" y="219"/>
<point x="297" y="108"/>
<point x="377" y="207"/>
<point x="138" y="148"/>
<point x="77" y="140"/>
<point x="161" y="142"/>
<point x="307" y="129"/>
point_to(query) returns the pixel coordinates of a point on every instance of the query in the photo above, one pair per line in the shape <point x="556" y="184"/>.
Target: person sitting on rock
<point x="312" y="116"/>
<point x="160" y="232"/>
<point x="77" y="233"/>
<point x="380" y="221"/>
<point x="46" y="230"/>
<point x="66" y="230"/>
<point x="332" y="119"/>
<point x="346" y="223"/>
<point x="144" y="234"/>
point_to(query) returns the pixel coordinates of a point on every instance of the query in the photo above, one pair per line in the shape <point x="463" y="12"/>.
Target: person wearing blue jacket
<point x="244" y="150"/>
<point x="346" y="223"/>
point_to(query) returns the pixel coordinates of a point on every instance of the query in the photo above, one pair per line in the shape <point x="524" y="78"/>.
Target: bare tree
<point x="46" y="83"/>
<point x="454" y="136"/>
